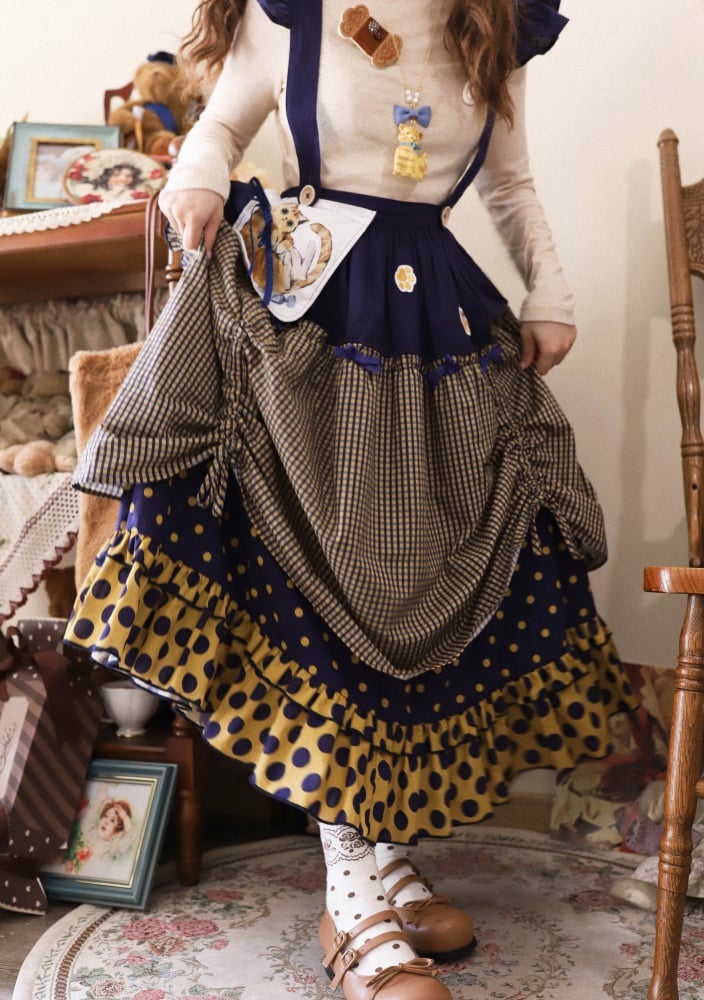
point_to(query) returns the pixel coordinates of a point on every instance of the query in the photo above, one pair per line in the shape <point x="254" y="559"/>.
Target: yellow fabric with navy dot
<point x="200" y="612"/>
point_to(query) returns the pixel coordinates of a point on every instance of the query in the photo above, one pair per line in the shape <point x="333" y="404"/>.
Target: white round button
<point x="307" y="195"/>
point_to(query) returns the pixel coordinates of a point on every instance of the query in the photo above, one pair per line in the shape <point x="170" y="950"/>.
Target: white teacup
<point x="130" y="707"/>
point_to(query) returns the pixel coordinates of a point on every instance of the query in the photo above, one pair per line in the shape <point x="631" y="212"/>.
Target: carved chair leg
<point x="685" y="761"/>
<point x="186" y="748"/>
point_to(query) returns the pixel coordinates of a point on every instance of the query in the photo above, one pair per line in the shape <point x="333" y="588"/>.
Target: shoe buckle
<point x="349" y="958"/>
<point x="342" y="965"/>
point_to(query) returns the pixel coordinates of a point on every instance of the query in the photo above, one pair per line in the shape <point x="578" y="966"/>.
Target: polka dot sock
<point x="385" y="854"/>
<point x="354" y="892"/>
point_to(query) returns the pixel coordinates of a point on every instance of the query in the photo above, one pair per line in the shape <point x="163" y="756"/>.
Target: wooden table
<point x="102" y="256"/>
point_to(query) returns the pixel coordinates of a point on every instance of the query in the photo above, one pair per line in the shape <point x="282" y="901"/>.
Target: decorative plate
<point x="112" y="175"/>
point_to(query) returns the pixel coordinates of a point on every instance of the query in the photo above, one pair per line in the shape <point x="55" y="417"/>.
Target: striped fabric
<point x="47" y="772"/>
<point x="396" y="500"/>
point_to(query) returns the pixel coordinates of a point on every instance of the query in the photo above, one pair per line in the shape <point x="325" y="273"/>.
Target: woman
<point x="358" y="540"/>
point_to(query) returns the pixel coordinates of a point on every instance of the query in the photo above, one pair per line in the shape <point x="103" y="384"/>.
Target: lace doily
<point x="54" y="218"/>
<point x="39" y="525"/>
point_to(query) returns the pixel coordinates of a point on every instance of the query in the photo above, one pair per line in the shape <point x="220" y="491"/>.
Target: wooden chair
<point x="684" y="230"/>
<point x="123" y="93"/>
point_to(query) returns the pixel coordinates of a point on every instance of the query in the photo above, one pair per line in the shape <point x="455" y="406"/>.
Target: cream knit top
<point x="358" y="135"/>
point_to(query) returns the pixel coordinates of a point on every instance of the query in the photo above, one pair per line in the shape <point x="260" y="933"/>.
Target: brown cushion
<point x="95" y="377"/>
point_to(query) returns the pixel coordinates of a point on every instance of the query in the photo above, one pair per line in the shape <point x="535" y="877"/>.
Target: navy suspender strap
<point x="302" y="88"/>
<point x="476" y="164"/>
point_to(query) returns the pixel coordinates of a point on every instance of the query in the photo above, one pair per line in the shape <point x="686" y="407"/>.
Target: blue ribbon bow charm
<point x="403" y="114"/>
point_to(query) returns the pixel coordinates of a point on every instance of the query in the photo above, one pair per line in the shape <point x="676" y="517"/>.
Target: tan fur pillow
<point x="95" y="377"/>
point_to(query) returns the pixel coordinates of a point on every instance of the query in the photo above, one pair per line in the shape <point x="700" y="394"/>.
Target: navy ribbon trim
<point x="493" y="355"/>
<point x="351" y="353"/>
<point x="448" y="366"/>
<point x="258" y="193"/>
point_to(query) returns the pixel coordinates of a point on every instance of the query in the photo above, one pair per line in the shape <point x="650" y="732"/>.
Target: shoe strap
<point x="346" y="958"/>
<point x="395" y="865"/>
<point x="342" y="937"/>
<point x="406" y="879"/>
<point x="402" y="883"/>
<point x="375" y="918"/>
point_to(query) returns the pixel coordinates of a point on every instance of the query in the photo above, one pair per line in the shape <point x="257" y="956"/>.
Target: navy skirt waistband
<point x="418" y="213"/>
<point x="405" y="213"/>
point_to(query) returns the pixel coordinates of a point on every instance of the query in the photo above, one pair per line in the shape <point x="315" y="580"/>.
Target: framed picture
<point x="117" y="835"/>
<point x="39" y="156"/>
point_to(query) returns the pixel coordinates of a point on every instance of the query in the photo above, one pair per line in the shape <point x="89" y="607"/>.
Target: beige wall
<point x="624" y="70"/>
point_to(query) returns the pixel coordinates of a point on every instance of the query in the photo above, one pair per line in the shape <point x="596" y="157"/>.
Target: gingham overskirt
<point x="395" y="495"/>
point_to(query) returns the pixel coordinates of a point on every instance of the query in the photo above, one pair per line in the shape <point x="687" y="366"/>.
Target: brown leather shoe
<point x="435" y="928"/>
<point x="414" y="980"/>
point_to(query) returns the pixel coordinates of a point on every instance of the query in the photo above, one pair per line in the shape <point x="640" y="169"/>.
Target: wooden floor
<point x="18" y="933"/>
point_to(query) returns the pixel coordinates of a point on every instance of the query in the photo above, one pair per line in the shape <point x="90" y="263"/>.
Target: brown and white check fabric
<point x="397" y="506"/>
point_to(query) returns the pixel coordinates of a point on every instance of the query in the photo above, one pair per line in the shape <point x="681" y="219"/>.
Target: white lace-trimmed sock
<point x="385" y="854"/>
<point x="354" y="892"/>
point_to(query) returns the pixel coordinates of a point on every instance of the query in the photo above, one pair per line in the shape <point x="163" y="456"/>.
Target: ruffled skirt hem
<point x="308" y="744"/>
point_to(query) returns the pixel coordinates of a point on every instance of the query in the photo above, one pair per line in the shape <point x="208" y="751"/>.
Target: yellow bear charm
<point x="409" y="161"/>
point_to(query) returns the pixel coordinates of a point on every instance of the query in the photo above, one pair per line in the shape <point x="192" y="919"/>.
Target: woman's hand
<point x="195" y="214"/>
<point x="545" y="344"/>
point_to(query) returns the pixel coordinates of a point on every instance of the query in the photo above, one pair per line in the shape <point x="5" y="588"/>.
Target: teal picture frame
<point x="117" y="836"/>
<point x="39" y="156"/>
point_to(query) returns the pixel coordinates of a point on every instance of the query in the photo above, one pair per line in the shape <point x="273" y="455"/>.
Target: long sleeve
<point x="247" y="90"/>
<point x="505" y="185"/>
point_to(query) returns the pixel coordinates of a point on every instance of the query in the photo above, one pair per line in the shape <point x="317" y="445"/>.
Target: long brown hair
<point x="480" y="34"/>
<point x="203" y="49"/>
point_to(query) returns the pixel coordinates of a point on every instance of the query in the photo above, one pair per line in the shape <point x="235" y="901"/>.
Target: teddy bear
<point x="40" y="455"/>
<point x="36" y="422"/>
<point x="33" y="406"/>
<point x="155" y="115"/>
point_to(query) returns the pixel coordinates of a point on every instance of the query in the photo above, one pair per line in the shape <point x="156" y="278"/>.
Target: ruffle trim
<point x="539" y="27"/>
<point x="338" y="764"/>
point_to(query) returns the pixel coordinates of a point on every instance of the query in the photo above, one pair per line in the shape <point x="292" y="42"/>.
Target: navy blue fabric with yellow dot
<point x="208" y="618"/>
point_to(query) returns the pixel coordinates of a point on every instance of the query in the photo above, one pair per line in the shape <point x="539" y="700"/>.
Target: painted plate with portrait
<point x="112" y="175"/>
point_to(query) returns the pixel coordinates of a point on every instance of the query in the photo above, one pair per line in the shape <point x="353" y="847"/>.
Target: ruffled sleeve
<point x="539" y="26"/>
<point x="277" y="11"/>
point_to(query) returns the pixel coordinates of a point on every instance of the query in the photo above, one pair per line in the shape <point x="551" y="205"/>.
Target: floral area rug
<point x="547" y="923"/>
